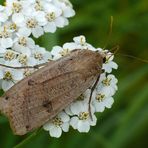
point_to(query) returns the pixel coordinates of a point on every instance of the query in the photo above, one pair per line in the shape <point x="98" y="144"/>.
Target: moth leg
<point x="90" y="98"/>
<point x="102" y="71"/>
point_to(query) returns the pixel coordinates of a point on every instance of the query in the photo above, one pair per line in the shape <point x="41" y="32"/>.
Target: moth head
<point x="103" y="55"/>
<point x="106" y="55"/>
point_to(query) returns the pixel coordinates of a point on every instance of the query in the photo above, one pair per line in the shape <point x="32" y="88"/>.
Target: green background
<point x="126" y="124"/>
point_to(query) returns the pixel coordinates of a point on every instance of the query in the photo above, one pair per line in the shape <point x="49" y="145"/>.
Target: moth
<point x="39" y="97"/>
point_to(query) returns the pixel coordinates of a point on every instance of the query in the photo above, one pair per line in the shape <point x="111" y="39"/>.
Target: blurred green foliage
<point x="126" y="124"/>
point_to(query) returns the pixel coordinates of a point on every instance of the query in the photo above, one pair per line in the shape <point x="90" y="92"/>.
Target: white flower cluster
<point x="20" y="19"/>
<point x="77" y="114"/>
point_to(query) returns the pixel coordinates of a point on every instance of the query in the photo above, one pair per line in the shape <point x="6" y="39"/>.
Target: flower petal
<point x="74" y="122"/>
<point x="83" y="126"/>
<point x="7" y="85"/>
<point x="65" y="127"/>
<point x="64" y="117"/>
<point x="55" y="132"/>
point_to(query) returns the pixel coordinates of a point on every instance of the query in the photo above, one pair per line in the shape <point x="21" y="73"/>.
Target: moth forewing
<point x="41" y="96"/>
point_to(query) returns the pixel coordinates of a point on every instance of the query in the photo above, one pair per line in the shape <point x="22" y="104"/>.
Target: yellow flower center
<point x="23" y="41"/>
<point x="27" y="73"/>
<point x="38" y="6"/>
<point x="57" y="121"/>
<point x="31" y="23"/>
<point x="7" y="76"/>
<point x="38" y="56"/>
<point x="5" y="33"/>
<point x="50" y="16"/>
<point x="23" y="59"/>
<point x="64" y="52"/>
<point x="9" y="55"/>
<point x="13" y="26"/>
<point x="16" y="7"/>
<point x="82" y="41"/>
<point x="100" y="97"/>
<point x="107" y="81"/>
<point x="83" y="115"/>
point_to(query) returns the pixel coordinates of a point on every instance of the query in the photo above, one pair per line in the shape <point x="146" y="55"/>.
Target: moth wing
<point x="40" y="97"/>
<point x="40" y="103"/>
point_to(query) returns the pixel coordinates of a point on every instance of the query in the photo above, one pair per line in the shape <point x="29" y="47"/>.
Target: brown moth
<point x="40" y="97"/>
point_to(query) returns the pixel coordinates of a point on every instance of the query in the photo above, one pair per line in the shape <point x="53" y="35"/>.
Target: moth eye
<point x="104" y="59"/>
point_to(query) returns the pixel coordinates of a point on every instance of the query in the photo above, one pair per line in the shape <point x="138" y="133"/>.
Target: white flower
<point x="9" y="55"/>
<point x="86" y="96"/>
<point x="3" y="15"/>
<point x="83" y="98"/>
<point x="53" y="17"/>
<point x="31" y="24"/>
<point x="21" y="19"/>
<point x="81" y="119"/>
<point x="109" y="64"/>
<point x="25" y="60"/>
<point x="10" y="76"/>
<point x="14" y="7"/>
<point x="108" y="84"/>
<point x="41" y="55"/>
<point x="23" y="45"/>
<point x="66" y="7"/>
<point x="68" y="111"/>
<point x="5" y="38"/>
<point x="102" y="100"/>
<point x="58" y="52"/>
<point x="81" y="43"/>
<point x="59" y="123"/>
<point x="2" y="50"/>
<point x="80" y="40"/>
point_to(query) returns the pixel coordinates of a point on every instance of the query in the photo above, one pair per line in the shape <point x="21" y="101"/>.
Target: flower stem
<point x="26" y="140"/>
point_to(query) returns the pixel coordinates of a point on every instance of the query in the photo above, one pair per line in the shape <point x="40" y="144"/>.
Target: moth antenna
<point x="115" y="49"/>
<point x="90" y="98"/>
<point x="133" y="57"/>
<point x="110" y="32"/>
<point x="24" y="67"/>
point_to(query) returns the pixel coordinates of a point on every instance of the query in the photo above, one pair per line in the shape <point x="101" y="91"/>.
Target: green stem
<point x="26" y="140"/>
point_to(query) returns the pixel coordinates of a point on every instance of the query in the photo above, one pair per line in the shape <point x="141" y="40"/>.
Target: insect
<point x="41" y="96"/>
